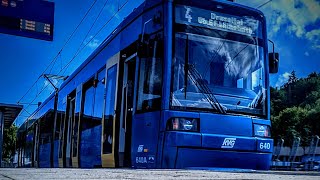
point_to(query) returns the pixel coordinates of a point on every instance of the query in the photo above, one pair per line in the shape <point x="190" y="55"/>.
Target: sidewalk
<point x="29" y="174"/>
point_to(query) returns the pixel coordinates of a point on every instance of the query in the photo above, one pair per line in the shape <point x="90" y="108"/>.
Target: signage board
<point x="216" y="20"/>
<point x="27" y="18"/>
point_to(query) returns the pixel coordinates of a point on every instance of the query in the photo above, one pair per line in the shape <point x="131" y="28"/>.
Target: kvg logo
<point x="228" y="142"/>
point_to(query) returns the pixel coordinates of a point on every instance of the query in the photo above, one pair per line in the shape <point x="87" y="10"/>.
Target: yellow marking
<point x="60" y="163"/>
<point x="108" y="160"/>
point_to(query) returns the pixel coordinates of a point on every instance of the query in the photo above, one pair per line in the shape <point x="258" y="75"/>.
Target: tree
<point x="278" y="100"/>
<point x="291" y="123"/>
<point x="292" y="77"/>
<point x="295" y="108"/>
<point x="9" y="142"/>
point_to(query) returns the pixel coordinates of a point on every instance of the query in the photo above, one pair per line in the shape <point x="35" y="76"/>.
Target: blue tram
<point x="178" y="84"/>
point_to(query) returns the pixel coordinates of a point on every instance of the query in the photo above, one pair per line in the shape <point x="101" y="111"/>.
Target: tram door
<point x="76" y="127"/>
<point x="62" y="133"/>
<point x="126" y="112"/>
<point x="36" y="146"/>
<point x="109" y="122"/>
<point x="69" y="127"/>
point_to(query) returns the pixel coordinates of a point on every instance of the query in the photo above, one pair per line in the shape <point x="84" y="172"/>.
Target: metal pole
<point x="272" y="45"/>
<point x="1" y="135"/>
<point x="273" y="54"/>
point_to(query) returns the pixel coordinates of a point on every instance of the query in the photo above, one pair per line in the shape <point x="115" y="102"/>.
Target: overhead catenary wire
<point x="65" y="68"/>
<point x="31" y="103"/>
<point x="55" y="58"/>
<point x="95" y="21"/>
<point x="78" y="52"/>
<point x="260" y="6"/>
<point x="83" y="18"/>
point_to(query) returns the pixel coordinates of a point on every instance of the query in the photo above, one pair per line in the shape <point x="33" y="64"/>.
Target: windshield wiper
<point x="259" y="99"/>
<point x="197" y="79"/>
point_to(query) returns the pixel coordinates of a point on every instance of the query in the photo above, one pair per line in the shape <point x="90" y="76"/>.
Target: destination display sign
<point x="28" y="18"/>
<point x="216" y="20"/>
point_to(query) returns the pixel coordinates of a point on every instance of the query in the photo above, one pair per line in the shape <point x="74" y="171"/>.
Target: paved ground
<point x="149" y="174"/>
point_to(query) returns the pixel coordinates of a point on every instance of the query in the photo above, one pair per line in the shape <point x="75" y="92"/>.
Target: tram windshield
<point x="218" y="64"/>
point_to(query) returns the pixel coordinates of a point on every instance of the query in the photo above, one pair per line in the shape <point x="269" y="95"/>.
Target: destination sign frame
<point x="27" y="18"/>
<point x="217" y="20"/>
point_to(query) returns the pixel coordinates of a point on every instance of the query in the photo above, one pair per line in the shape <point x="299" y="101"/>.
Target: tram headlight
<point x="183" y="124"/>
<point x="261" y="130"/>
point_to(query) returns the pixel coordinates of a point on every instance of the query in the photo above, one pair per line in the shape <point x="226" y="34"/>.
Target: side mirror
<point x="273" y="63"/>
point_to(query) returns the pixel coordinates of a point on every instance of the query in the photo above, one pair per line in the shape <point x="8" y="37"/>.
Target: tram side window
<point x="46" y="129"/>
<point x="29" y="143"/>
<point x="109" y="110"/>
<point x="99" y="99"/>
<point x="76" y="124"/>
<point x="57" y="130"/>
<point x="150" y="75"/>
<point x="88" y="109"/>
<point x="150" y="84"/>
<point x="61" y="117"/>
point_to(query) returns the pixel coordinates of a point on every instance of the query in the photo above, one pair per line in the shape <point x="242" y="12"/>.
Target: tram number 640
<point x="265" y="145"/>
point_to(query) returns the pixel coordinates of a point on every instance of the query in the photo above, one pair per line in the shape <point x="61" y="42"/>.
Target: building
<point x="8" y="113"/>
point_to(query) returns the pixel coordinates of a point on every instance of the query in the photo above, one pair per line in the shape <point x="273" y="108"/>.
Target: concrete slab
<point x="29" y="174"/>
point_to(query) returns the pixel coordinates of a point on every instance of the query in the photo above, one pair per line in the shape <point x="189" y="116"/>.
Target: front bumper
<point x="187" y="157"/>
<point x="185" y="149"/>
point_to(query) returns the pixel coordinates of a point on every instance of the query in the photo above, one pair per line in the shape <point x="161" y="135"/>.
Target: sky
<point x="294" y="26"/>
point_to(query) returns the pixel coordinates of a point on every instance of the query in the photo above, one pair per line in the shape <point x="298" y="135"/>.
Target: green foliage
<point x="9" y="142"/>
<point x="295" y="109"/>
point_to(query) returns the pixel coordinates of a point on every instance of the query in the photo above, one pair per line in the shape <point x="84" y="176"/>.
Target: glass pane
<point x="150" y="84"/>
<point x="99" y="99"/>
<point x="57" y="130"/>
<point x="240" y="24"/>
<point x="36" y="143"/>
<point x="219" y="61"/>
<point x="109" y="111"/>
<point x="231" y="71"/>
<point x="29" y="144"/>
<point x="88" y="109"/>
<point x="69" y="129"/>
<point x="60" y="117"/>
<point x="90" y="136"/>
<point x="76" y="124"/>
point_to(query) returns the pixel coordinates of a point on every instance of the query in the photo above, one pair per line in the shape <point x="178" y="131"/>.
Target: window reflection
<point x="88" y="109"/>
<point x="76" y="125"/>
<point x="233" y="71"/>
<point x="150" y="81"/>
<point x="109" y="111"/>
<point x="61" y="115"/>
<point x="99" y="99"/>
